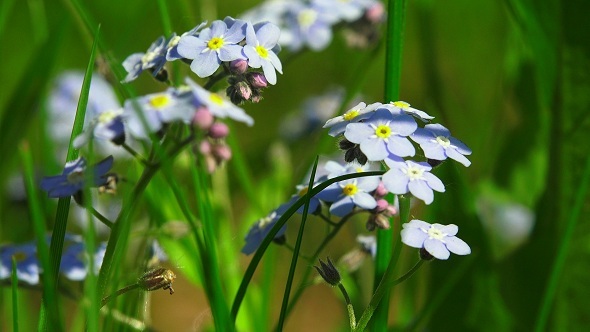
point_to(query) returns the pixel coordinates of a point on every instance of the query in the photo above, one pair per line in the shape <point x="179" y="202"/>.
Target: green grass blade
<point x="295" y="256"/>
<point x="63" y="205"/>
<point x="49" y="287"/>
<point x="559" y="264"/>
<point x="393" y="68"/>
<point x="5" y="11"/>
<point x="14" y="280"/>
<point x="275" y="229"/>
<point x="165" y="17"/>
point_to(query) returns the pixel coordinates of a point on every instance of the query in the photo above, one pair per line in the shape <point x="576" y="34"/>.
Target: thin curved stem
<point x="101" y="218"/>
<point x="121" y="291"/>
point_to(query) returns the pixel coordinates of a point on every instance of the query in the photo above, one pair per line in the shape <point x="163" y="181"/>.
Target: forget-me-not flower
<point x="261" y="229"/>
<point x="27" y="264"/>
<point x="438" y="240"/>
<point x="406" y="108"/>
<point x="217" y="105"/>
<point x="310" y="25"/>
<point x="108" y="125"/>
<point x="158" y="109"/>
<point x="74" y="262"/>
<point x="347" y="194"/>
<point x="213" y="45"/>
<point x="154" y="58"/>
<point x="72" y="178"/>
<point x="383" y="133"/>
<point x="410" y="176"/>
<point x="437" y="143"/>
<point x="172" y="44"/>
<point x="346" y="10"/>
<point x="360" y="112"/>
<point x="260" y="41"/>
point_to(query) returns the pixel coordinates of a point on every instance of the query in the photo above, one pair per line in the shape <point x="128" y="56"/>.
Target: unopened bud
<point x="239" y="66"/>
<point x="156" y="279"/>
<point x="257" y="80"/>
<point x="381" y="191"/>
<point x="328" y="272"/>
<point x="375" y="13"/>
<point x="381" y="205"/>
<point x="203" y="119"/>
<point x="222" y="152"/>
<point x="239" y="92"/>
<point x="218" y="130"/>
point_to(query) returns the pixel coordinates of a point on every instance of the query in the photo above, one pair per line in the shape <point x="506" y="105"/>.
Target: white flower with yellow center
<point x="401" y="106"/>
<point x="261" y="39"/>
<point x="348" y="194"/>
<point x="383" y="133"/>
<point x="359" y="112"/>
<point x="414" y="177"/>
<point x="438" y="240"/>
<point x="212" y="46"/>
<point x="437" y="143"/>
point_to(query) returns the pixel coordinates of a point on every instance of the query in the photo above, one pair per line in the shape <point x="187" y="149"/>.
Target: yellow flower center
<point x="263" y="52"/>
<point x="351" y="115"/>
<point x="148" y="57"/>
<point x="400" y="104"/>
<point x="350" y="189"/>
<point x="216" y="99"/>
<point x="383" y="131"/>
<point x="307" y="17"/>
<point x="302" y="192"/>
<point x="414" y="173"/>
<point x="160" y="101"/>
<point x="445" y="142"/>
<point x="19" y="256"/>
<point x="435" y="233"/>
<point x="107" y="116"/>
<point x="173" y="42"/>
<point x="215" y="43"/>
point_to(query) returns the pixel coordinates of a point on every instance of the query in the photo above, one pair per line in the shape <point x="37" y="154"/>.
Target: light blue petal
<point x="342" y="207"/>
<point x="218" y="28"/>
<point x="400" y="146"/>
<point x="269" y="72"/>
<point x="421" y="190"/>
<point x="358" y="132"/>
<point x="364" y="201"/>
<point x="417" y="223"/>
<point x="413" y="237"/>
<point x="374" y="149"/>
<point x="190" y="47"/>
<point x="205" y="64"/>
<point x="438" y="130"/>
<point x="434" y="182"/>
<point x="268" y="35"/>
<point x="403" y="125"/>
<point x="254" y="59"/>
<point x="395" y="181"/>
<point x="231" y="53"/>
<point x="450" y="230"/>
<point x="437" y="249"/>
<point x="457" y="246"/>
<point x="461" y="147"/>
<point x="433" y="151"/>
<point x="276" y="62"/>
<point x="454" y="154"/>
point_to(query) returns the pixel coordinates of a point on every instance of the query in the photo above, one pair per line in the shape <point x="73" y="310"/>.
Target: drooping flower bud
<point x="257" y="80"/>
<point x="156" y="279"/>
<point x="328" y="272"/>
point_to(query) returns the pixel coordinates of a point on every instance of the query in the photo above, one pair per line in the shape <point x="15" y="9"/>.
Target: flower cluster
<point x="387" y="135"/>
<point x="310" y="23"/>
<point x="74" y="262"/>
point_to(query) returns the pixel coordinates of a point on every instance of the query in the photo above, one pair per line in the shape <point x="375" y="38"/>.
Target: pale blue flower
<point x="347" y="194"/>
<point x="260" y="230"/>
<point x="72" y="178"/>
<point x="346" y="10"/>
<point x="107" y="126"/>
<point x="310" y="26"/>
<point x="213" y="45"/>
<point x="314" y="202"/>
<point x="359" y="112"/>
<point x="438" y="240"/>
<point x="158" y="109"/>
<point x="368" y="243"/>
<point x="437" y="143"/>
<point x="402" y="106"/>
<point x="217" y="105"/>
<point x="260" y="41"/>
<point x="74" y="262"/>
<point x="154" y="58"/>
<point x="383" y="133"/>
<point x="336" y="169"/>
<point x="172" y="44"/>
<point x="27" y="264"/>
<point x="414" y="177"/>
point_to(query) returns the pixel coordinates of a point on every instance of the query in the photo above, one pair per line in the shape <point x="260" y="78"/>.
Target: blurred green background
<point x="509" y="78"/>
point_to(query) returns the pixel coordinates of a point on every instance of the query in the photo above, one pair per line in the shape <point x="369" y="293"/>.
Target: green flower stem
<point x="559" y="264"/>
<point x="14" y="279"/>
<point x="134" y="153"/>
<point x="121" y="291"/>
<point x="123" y="222"/>
<point x="349" y="307"/>
<point x="387" y="281"/>
<point x="101" y="218"/>
<point x="303" y="284"/>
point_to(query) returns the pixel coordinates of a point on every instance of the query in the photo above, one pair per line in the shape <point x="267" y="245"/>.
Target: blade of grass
<point x="5" y="11"/>
<point x="393" y="68"/>
<point x="14" y="280"/>
<point x="275" y="229"/>
<point x="63" y="205"/>
<point x="49" y="287"/>
<point x="165" y="17"/>
<point x="295" y="256"/>
<point x="38" y="20"/>
<point x="90" y="293"/>
<point x="559" y="264"/>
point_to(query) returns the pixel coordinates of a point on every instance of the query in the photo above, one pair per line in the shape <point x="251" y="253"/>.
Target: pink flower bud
<point x="257" y="80"/>
<point x="205" y="147"/>
<point x="218" y="130"/>
<point x="375" y="13"/>
<point x="238" y="66"/>
<point x="381" y="191"/>
<point x="203" y="119"/>
<point x="382" y="205"/>
<point x="222" y="152"/>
